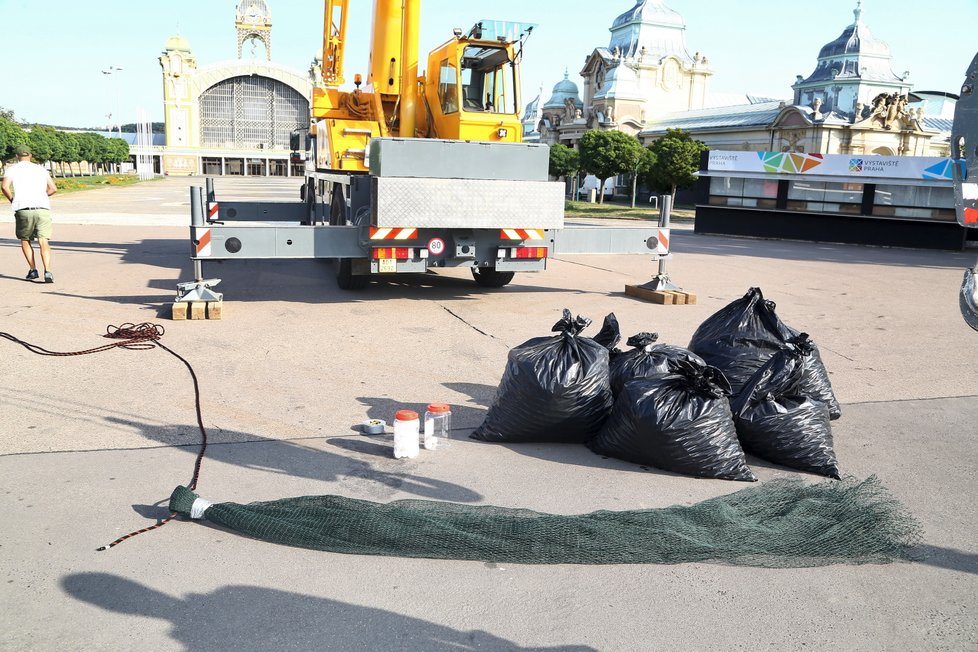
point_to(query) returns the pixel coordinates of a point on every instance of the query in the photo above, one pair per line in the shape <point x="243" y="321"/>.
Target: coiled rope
<point x="135" y="337"/>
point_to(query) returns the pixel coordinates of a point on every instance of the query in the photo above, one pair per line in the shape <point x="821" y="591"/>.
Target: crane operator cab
<point x="472" y="86"/>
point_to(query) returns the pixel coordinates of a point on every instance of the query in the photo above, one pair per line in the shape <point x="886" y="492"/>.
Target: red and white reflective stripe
<point x="521" y="234"/>
<point x="662" y="247"/>
<point x="971" y="216"/>
<point x="203" y="239"/>
<point x="212" y="212"/>
<point x="393" y="234"/>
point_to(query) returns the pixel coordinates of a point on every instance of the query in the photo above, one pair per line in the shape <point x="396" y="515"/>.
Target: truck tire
<point x="488" y="277"/>
<point x="346" y="279"/>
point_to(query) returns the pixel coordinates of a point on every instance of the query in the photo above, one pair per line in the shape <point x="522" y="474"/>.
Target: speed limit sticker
<point x="436" y="246"/>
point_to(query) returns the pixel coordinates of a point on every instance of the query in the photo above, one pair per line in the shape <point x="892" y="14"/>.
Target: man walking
<point x="28" y="185"/>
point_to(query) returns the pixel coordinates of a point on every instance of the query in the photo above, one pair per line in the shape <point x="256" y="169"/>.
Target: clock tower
<point x="253" y="21"/>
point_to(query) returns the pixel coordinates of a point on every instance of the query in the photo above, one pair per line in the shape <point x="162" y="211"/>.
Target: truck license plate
<point x="388" y="266"/>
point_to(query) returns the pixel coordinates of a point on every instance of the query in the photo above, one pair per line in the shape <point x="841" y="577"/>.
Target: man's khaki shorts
<point x="33" y="223"/>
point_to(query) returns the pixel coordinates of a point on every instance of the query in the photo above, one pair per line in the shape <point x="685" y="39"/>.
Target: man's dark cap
<point x="22" y="150"/>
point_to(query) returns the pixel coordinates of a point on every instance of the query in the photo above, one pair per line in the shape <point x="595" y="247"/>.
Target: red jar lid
<point x="439" y="407"/>
<point x="406" y="415"/>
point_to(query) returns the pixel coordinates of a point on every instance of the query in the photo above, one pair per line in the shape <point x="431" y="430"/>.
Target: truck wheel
<point x="488" y="277"/>
<point x="346" y="279"/>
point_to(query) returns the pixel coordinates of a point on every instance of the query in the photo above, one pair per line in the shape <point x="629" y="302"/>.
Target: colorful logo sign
<point x="777" y="162"/>
<point x="856" y="165"/>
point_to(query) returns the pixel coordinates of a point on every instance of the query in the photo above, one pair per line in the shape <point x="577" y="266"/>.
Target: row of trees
<point x="667" y="165"/>
<point x="62" y="148"/>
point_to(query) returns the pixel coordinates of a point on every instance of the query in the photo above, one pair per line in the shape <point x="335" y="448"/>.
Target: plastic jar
<point x="437" y="426"/>
<point x="407" y="429"/>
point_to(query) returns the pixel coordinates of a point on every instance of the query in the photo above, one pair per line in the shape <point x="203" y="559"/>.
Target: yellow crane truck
<point x="411" y="171"/>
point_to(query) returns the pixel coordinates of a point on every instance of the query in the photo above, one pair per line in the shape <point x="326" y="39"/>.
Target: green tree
<point x="676" y="161"/>
<point x="11" y="135"/>
<point x="70" y="150"/>
<point x="89" y="148"/>
<point x="117" y="151"/>
<point x="606" y="154"/>
<point x="44" y="143"/>
<point x="94" y="150"/>
<point x="564" y="161"/>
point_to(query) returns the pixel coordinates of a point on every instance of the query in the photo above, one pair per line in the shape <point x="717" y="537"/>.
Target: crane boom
<point x="334" y="42"/>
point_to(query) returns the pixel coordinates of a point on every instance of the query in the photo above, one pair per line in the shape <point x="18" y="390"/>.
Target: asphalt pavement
<point x="92" y="446"/>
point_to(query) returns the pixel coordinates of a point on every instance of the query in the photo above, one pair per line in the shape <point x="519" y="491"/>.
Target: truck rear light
<point x="392" y="253"/>
<point x="530" y="252"/>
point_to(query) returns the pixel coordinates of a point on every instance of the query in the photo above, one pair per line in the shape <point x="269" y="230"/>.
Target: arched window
<point x="251" y="111"/>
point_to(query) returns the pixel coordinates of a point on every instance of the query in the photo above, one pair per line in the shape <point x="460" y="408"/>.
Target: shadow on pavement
<point x="376" y="478"/>
<point x="258" y="618"/>
<point x="687" y="242"/>
<point x="949" y="558"/>
<point x="464" y="419"/>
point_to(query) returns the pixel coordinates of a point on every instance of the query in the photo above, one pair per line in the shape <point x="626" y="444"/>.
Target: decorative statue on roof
<point x="880" y="103"/>
<point x="888" y="109"/>
<point x="892" y="111"/>
<point x="570" y="108"/>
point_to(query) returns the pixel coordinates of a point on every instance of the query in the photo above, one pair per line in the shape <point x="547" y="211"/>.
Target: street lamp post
<point x="112" y="70"/>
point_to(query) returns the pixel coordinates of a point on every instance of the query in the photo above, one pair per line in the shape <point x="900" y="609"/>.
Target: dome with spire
<point x="855" y="55"/>
<point x="856" y="39"/>
<point x="177" y="43"/>
<point x="650" y="11"/>
<point x="562" y="91"/>
<point x="650" y="28"/>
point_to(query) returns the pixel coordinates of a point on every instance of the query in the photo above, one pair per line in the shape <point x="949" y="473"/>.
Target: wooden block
<point x="655" y="296"/>
<point x="664" y="297"/>
<point x="678" y="298"/>
<point x="690" y="298"/>
<point x="198" y="310"/>
<point x="215" y="309"/>
<point x="179" y="310"/>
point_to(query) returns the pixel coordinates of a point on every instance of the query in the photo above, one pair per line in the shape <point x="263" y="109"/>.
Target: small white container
<point x="407" y="433"/>
<point x="437" y="426"/>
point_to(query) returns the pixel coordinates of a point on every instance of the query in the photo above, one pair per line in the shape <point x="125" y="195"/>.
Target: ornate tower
<point x="645" y="70"/>
<point x="852" y="71"/>
<point x="179" y="65"/>
<point x="253" y="22"/>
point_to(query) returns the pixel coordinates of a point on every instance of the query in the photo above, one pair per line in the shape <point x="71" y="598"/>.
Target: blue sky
<point x="54" y="50"/>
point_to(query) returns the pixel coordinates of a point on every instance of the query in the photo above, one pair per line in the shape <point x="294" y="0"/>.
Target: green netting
<point x="783" y="523"/>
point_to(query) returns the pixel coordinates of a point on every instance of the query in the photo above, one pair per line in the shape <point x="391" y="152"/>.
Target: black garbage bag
<point x="739" y="338"/>
<point x="554" y="389"/>
<point x="679" y="422"/>
<point x="777" y="421"/>
<point x="610" y="334"/>
<point x="646" y="359"/>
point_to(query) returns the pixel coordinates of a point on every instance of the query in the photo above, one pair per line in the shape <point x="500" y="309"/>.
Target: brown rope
<point x="135" y="337"/>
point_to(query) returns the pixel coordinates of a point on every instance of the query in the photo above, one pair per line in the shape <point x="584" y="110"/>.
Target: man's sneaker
<point x="48" y="277"/>
<point x="32" y="275"/>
